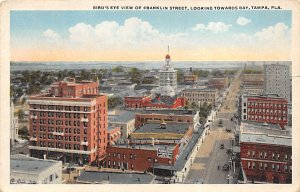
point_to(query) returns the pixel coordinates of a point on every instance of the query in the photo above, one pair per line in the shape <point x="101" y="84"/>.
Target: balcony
<point x="33" y="139"/>
<point x="84" y="143"/>
<point x="84" y="120"/>
<point x="58" y="133"/>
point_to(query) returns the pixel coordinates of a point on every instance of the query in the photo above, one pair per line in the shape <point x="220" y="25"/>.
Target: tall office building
<point x="69" y="123"/>
<point x="278" y="80"/>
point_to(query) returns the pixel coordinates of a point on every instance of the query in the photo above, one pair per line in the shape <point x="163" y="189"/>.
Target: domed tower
<point x="167" y="73"/>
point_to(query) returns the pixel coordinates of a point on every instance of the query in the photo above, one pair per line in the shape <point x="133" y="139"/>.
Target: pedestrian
<point x="218" y="167"/>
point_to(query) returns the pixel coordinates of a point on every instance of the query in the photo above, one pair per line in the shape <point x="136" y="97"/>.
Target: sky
<point x="145" y="35"/>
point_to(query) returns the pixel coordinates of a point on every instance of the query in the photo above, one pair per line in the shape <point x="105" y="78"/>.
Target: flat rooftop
<point x="268" y="96"/>
<point x="24" y="164"/>
<point x="146" y="146"/>
<point x="200" y="89"/>
<point x="264" y="128"/>
<point x="121" y="117"/>
<point x="115" y="178"/>
<point x="156" y="128"/>
<point x="167" y="111"/>
<point x="266" y="139"/>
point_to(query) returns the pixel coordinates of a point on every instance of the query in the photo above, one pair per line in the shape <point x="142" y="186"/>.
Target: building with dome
<point x="168" y="75"/>
<point x="163" y="96"/>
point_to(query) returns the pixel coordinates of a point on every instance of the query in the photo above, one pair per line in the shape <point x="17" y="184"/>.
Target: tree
<point x="117" y="69"/>
<point x="84" y="75"/>
<point x="114" y="101"/>
<point x="180" y="75"/>
<point x="20" y="114"/>
<point x="135" y="75"/>
<point x="23" y="132"/>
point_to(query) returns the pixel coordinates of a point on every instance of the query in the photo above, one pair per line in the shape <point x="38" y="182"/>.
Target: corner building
<point x="69" y="123"/>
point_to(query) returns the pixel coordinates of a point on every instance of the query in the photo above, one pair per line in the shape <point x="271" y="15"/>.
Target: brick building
<point x="199" y="96"/>
<point x="69" y="123"/>
<point x="264" y="108"/>
<point x="158" y="101"/>
<point x="113" y="134"/>
<point x="168" y="116"/>
<point x="266" y="153"/>
<point x="218" y="83"/>
<point x="149" y="145"/>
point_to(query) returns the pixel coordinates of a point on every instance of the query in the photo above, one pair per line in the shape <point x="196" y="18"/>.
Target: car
<point x="225" y="167"/>
<point x="222" y="146"/>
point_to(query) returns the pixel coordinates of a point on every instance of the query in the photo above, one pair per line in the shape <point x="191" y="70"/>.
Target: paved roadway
<point x="210" y="156"/>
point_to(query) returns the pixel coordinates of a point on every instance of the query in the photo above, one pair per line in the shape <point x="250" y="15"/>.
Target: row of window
<point x="62" y="146"/>
<point x="197" y="99"/>
<point x="119" y="165"/>
<point x="198" y="95"/>
<point x="271" y="111"/>
<point x="261" y="118"/>
<point x="118" y="155"/>
<point x="269" y="166"/>
<point x="59" y="130"/>
<point x="59" y="107"/>
<point x="60" y="122"/>
<point x="265" y="105"/>
<point x="60" y="137"/>
<point x="264" y="155"/>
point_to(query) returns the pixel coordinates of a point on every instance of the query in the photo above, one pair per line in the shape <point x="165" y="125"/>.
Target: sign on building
<point x="164" y="153"/>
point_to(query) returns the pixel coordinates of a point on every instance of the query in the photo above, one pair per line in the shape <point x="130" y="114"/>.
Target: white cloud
<point x="277" y="32"/>
<point x="242" y="21"/>
<point x="81" y="32"/>
<point x="215" y="27"/>
<point x="49" y="33"/>
<point x="134" y="33"/>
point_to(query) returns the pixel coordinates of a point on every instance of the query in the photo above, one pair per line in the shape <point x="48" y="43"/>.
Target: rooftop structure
<point x="90" y="177"/>
<point x="31" y="170"/>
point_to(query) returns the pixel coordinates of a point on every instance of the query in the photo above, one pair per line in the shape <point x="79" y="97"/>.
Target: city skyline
<point x="144" y="36"/>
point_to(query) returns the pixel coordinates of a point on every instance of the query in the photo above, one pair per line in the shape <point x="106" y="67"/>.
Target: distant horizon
<point x="254" y="35"/>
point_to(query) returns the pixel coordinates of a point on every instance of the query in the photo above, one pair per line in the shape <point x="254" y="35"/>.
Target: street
<point x="210" y="156"/>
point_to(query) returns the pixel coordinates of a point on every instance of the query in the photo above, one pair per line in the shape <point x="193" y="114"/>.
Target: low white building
<point x="123" y="119"/>
<point x="24" y="169"/>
